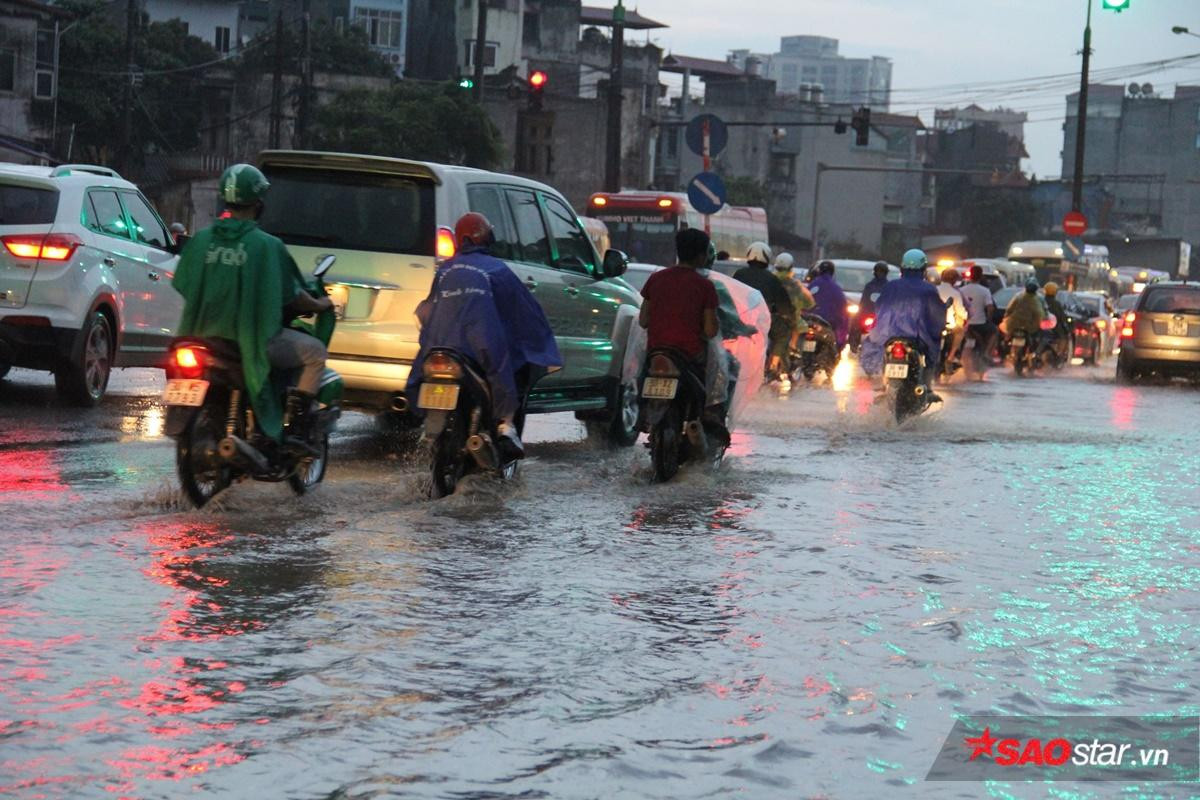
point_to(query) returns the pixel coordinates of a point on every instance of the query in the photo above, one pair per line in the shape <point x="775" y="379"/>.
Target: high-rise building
<point x="810" y="67"/>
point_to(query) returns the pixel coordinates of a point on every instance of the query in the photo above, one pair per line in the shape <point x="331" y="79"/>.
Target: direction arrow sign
<point x="718" y="135"/>
<point x="706" y="192"/>
<point x="1074" y="223"/>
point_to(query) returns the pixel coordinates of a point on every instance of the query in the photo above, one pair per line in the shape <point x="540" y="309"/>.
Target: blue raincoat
<point x="831" y="306"/>
<point x="478" y="307"/>
<point x="909" y="307"/>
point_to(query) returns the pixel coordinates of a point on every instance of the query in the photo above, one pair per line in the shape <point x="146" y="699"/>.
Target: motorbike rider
<point x="981" y="306"/>
<point x="479" y="307"/>
<point x="870" y="292"/>
<point x="1062" y="326"/>
<point x="831" y="302"/>
<point x="802" y="298"/>
<point x="679" y="311"/>
<point x="237" y="282"/>
<point x="956" y="313"/>
<point x="756" y="275"/>
<point x="908" y="308"/>
<point x="1025" y="311"/>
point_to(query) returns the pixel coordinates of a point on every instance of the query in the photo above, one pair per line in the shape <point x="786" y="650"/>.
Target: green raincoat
<point x="235" y="280"/>
<point x="1025" y="313"/>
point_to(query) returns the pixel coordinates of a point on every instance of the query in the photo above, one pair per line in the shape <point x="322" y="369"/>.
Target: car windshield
<point x="1172" y="301"/>
<point x="1089" y="304"/>
<point x="24" y="205"/>
<point x="351" y="210"/>
<point x="637" y="276"/>
<point x="853" y="279"/>
<point x="650" y="242"/>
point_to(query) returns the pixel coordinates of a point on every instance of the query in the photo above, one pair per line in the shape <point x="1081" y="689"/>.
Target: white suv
<point x="85" y="277"/>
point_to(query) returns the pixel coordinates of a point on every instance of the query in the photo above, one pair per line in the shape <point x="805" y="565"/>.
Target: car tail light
<point x="1101" y="324"/>
<point x="50" y="247"/>
<point x="899" y="351"/>
<point x="1127" y="328"/>
<point x="441" y="365"/>
<point x="188" y="361"/>
<point x="445" y="243"/>
<point x="868" y="323"/>
<point x="662" y="366"/>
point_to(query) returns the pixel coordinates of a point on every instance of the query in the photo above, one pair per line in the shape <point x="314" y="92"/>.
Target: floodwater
<point x="807" y="622"/>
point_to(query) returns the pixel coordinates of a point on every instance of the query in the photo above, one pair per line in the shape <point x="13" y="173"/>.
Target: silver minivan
<point x="389" y="222"/>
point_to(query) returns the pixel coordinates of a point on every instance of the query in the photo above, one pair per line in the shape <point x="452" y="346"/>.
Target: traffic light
<point x="1115" y="5"/>
<point x="537" y="87"/>
<point x="839" y="127"/>
<point x="861" y="122"/>
<point x="466" y="83"/>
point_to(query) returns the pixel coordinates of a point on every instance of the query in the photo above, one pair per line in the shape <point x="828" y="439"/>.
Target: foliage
<point x="743" y="191"/>
<point x="427" y="123"/>
<point x="346" y="53"/>
<point x="92" y="75"/>
<point x="993" y="218"/>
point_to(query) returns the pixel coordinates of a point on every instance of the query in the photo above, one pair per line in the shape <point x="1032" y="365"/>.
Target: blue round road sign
<point x="718" y="135"/>
<point x="706" y="192"/>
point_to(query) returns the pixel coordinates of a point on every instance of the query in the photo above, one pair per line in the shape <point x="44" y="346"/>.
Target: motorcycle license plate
<point x="438" y="396"/>
<point x="183" y="392"/>
<point x="1018" y="341"/>
<point x="1177" y="327"/>
<point x="660" y="388"/>
<point x="969" y="344"/>
<point x="809" y="347"/>
<point x="898" y="371"/>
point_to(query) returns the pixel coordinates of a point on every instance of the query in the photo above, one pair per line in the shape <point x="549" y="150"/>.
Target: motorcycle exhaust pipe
<point x="919" y="391"/>
<point x="695" y="434"/>
<point x="481" y="449"/>
<point x="239" y="451"/>
<point x="399" y="403"/>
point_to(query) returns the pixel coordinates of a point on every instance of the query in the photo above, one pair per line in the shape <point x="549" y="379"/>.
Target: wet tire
<point x="1126" y="374"/>
<point x="665" y="446"/>
<point x="311" y="471"/>
<point x="202" y="473"/>
<point x="4" y="368"/>
<point x="620" y="428"/>
<point x="1019" y="361"/>
<point x="448" y="462"/>
<point x="82" y="382"/>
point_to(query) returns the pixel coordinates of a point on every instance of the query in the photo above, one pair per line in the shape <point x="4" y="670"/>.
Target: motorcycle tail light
<point x="441" y="365"/>
<point x="662" y="366"/>
<point x="868" y="323"/>
<point x="188" y="362"/>
<point x="811" y="333"/>
<point x="899" y="351"/>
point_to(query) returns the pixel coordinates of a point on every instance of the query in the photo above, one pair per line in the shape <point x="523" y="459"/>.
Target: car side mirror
<point x="615" y="264"/>
<point x="323" y="264"/>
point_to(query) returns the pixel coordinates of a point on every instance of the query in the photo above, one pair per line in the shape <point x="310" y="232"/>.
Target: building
<point x="29" y="33"/>
<point x="807" y="64"/>
<point x="1010" y="122"/>
<point x="1144" y="150"/>
<point x="505" y="34"/>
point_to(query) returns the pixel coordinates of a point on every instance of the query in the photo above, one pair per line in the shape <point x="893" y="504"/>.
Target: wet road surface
<point x="806" y="623"/>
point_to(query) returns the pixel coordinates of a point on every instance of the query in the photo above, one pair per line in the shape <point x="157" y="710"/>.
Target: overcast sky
<point x="936" y="43"/>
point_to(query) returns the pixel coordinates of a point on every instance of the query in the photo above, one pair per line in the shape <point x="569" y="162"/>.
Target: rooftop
<point x="603" y="18"/>
<point x="700" y="67"/>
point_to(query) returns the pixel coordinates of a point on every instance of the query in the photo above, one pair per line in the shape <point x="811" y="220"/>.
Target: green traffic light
<point x="466" y="83"/>
<point x="1115" y="5"/>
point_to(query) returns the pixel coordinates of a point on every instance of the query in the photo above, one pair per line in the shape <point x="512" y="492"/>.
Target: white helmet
<point x="760" y="252"/>
<point x="784" y="262"/>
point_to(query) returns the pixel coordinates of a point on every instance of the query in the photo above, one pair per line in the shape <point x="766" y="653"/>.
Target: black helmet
<point x="1031" y="285"/>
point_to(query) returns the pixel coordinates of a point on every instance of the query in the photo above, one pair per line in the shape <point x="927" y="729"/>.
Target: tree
<point x="426" y="123"/>
<point x="994" y="217"/>
<point x="345" y="53"/>
<point x="92" y="79"/>
<point x="743" y="191"/>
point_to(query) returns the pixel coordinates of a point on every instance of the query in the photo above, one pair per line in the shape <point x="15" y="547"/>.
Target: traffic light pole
<point x="480" y="48"/>
<point x="1081" y="116"/>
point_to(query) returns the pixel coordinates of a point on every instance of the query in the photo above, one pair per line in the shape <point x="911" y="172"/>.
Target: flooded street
<point x="808" y="622"/>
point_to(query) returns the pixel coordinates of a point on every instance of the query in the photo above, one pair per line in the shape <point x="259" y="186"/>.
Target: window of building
<point x="384" y="27"/>
<point x="222" y="40"/>
<point x="489" y="53"/>
<point x="783" y="166"/>
<point x="8" y="70"/>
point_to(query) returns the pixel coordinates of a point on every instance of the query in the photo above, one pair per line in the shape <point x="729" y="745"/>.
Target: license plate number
<point x="438" y="396"/>
<point x="1177" y="327"/>
<point x="898" y="371"/>
<point x="809" y="347"/>
<point x="660" y="388"/>
<point x="1018" y="341"/>
<point x="969" y="344"/>
<point x="181" y="392"/>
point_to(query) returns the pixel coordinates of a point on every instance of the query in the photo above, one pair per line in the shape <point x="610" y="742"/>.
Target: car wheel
<point x="4" y="368"/>
<point x="82" y="381"/>
<point x="618" y="429"/>
<point x="1126" y="375"/>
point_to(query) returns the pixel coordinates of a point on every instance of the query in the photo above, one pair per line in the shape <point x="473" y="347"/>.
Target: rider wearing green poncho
<point x="236" y="280"/>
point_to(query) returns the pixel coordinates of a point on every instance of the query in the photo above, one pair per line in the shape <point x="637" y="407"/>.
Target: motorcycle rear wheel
<point x="665" y="446"/>
<point x="202" y="472"/>
<point x="448" y="462"/>
<point x="311" y="472"/>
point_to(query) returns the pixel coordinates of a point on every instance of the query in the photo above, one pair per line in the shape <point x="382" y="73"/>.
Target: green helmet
<point x="243" y="185"/>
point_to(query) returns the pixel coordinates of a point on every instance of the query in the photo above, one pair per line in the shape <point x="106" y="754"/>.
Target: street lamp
<point x="1183" y="30"/>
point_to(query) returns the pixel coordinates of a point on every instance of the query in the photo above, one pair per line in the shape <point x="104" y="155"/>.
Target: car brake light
<point x="661" y="365"/>
<point x="441" y="365"/>
<point x="445" y="243"/>
<point x="1127" y="328"/>
<point x="899" y="351"/>
<point x="1101" y="324"/>
<point x="51" y="247"/>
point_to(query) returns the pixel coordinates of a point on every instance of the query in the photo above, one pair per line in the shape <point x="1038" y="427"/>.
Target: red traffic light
<point x="537" y="79"/>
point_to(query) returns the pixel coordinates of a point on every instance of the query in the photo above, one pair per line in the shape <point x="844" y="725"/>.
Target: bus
<point x="643" y="224"/>
<point x="1088" y="271"/>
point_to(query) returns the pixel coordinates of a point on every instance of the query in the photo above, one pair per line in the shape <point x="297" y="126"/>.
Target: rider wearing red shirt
<point x="679" y="305"/>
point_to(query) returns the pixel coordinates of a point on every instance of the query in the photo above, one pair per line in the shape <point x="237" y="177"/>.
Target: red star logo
<point x="981" y="744"/>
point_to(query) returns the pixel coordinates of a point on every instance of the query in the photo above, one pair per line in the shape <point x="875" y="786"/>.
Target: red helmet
<point x="473" y="228"/>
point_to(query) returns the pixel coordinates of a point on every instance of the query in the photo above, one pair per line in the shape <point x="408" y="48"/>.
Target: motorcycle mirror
<point x="323" y="264"/>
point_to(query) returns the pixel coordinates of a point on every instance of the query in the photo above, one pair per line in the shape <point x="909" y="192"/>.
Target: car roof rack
<point x="66" y="169"/>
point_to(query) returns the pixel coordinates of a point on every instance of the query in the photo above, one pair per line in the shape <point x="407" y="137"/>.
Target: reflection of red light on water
<point x="1122" y="405"/>
<point x="29" y="472"/>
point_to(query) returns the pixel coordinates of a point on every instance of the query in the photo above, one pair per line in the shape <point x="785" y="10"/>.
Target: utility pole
<point x="1081" y="116"/>
<point x="612" y="166"/>
<point x="126" y="157"/>
<point x="277" y="85"/>
<point x="305" y="107"/>
<point x="481" y="21"/>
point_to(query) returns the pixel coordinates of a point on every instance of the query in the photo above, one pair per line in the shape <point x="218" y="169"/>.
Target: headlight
<point x="852" y="308"/>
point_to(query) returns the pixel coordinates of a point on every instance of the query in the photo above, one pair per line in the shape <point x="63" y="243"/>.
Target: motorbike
<point x="460" y="428"/>
<point x="975" y="358"/>
<point x="1023" y="349"/>
<point x="948" y="365"/>
<point x="863" y="323"/>
<point x="673" y="401"/>
<point x="210" y="418"/>
<point x="907" y="392"/>
<point x="1053" y="351"/>
<point x="816" y="350"/>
